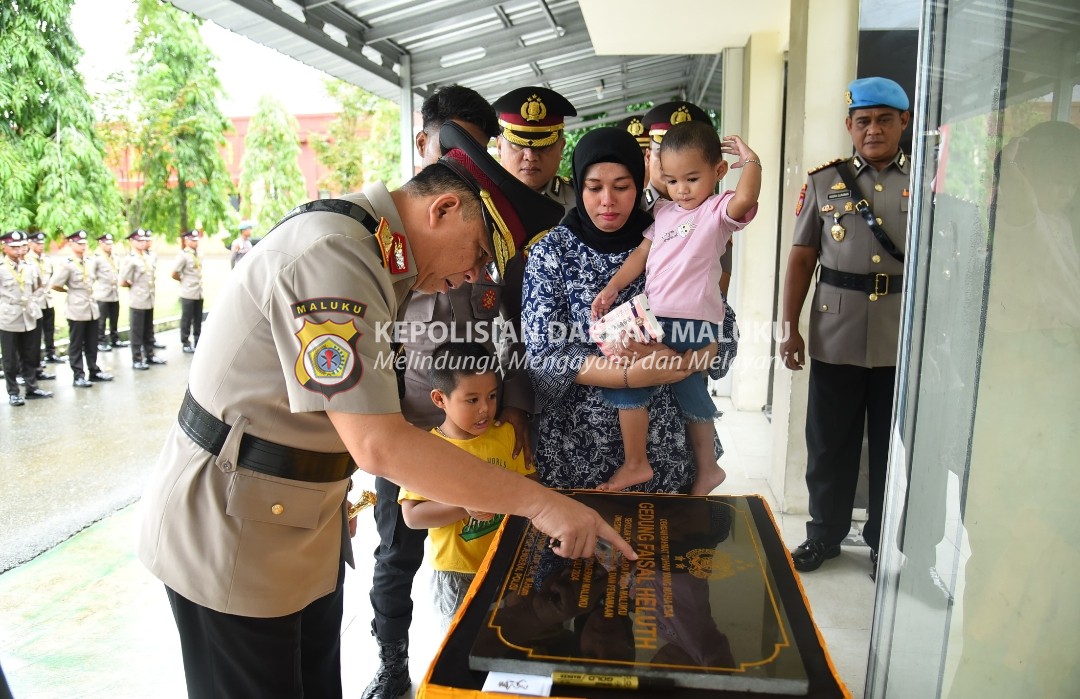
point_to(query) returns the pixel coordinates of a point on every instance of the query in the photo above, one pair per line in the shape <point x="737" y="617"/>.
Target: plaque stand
<point x="711" y="608"/>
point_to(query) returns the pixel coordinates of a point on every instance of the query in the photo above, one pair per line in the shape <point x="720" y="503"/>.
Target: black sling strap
<point x="863" y="207"/>
<point x="335" y="206"/>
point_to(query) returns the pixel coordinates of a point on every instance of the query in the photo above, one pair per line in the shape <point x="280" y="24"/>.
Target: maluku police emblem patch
<point x="329" y="361"/>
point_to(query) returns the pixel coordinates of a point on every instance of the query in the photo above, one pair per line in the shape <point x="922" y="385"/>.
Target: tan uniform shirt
<point x="189" y="267"/>
<point x="43" y="294"/>
<point x="138" y="271"/>
<point x="18" y="281"/>
<point x="103" y="271"/>
<point x="846" y="327"/>
<point x="296" y="331"/>
<point x="72" y="276"/>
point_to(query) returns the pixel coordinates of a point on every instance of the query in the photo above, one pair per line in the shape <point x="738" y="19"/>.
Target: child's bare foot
<point x="630" y="473"/>
<point x="708" y="480"/>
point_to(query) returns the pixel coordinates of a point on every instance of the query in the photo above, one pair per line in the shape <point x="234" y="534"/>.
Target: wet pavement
<point x="70" y="460"/>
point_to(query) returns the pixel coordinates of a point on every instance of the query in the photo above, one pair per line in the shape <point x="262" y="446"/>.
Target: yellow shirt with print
<point x="461" y="546"/>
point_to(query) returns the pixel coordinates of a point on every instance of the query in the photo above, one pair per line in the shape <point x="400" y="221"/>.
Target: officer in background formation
<point x="20" y="344"/>
<point x="188" y="271"/>
<point x="851" y="220"/>
<point x="72" y="276"/>
<point x="657" y="121"/>
<point x="531" y="141"/>
<point x="36" y="256"/>
<point x="137" y="273"/>
<point x="242" y="245"/>
<point x="103" y="270"/>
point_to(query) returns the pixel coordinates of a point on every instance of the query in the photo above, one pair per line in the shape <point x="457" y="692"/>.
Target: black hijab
<point x="608" y="145"/>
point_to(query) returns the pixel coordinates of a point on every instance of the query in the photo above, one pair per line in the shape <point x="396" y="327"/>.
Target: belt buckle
<point x="879" y="288"/>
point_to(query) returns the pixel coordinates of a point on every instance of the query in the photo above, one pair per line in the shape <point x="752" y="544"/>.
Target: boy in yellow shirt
<point x="465" y="385"/>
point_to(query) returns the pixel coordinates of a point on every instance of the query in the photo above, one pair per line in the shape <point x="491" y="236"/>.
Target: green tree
<point x="52" y="170"/>
<point x="362" y="144"/>
<point x="181" y="130"/>
<point x="271" y="182"/>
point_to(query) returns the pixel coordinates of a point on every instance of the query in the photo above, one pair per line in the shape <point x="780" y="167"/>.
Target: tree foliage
<point x="271" y="182"/>
<point x="362" y="144"/>
<point x="53" y="175"/>
<point x="181" y="131"/>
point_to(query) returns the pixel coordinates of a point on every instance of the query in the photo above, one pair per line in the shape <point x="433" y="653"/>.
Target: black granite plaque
<point x="699" y="608"/>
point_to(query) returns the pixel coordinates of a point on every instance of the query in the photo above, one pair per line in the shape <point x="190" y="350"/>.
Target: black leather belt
<point x="259" y="454"/>
<point x="872" y="284"/>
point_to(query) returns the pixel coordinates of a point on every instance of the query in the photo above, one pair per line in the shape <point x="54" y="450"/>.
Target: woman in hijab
<point x="580" y="444"/>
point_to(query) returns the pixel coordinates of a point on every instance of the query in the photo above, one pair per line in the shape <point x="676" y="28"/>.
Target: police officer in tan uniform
<point x="851" y="222"/>
<point x="20" y="344"/>
<point x="531" y="140"/>
<point x="292" y="386"/>
<point x="104" y="273"/>
<point x="72" y="277"/>
<point x="188" y="271"/>
<point x="43" y="296"/>
<point x="137" y="273"/>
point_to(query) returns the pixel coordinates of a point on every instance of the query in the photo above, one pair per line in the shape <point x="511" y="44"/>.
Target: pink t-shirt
<point x="682" y="274"/>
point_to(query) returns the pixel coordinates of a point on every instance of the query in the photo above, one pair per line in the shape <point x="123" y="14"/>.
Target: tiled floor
<point x="87" y="620"/>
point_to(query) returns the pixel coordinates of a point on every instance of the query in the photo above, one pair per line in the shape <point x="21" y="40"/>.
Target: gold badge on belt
<point x="838" y="231"/>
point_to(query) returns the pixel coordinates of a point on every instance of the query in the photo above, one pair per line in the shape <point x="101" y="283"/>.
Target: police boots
<point x="392" y="679"/>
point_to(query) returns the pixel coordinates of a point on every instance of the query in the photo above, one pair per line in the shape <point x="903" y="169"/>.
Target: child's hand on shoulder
<point x="734" y="145"/>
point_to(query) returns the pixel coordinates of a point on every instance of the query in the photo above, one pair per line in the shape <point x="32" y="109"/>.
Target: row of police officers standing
<point x="91" y="283"/>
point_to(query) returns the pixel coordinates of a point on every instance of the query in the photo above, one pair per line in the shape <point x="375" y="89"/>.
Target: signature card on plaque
<point x="698" y="609"/>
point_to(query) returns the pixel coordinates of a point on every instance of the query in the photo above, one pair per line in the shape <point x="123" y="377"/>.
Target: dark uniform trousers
<point x="82" y="341"/>
<point x="190" y="320"/>
<point x="397" y="558"/>
<point x="141" y="333"/>
<point x="108" y="318"/>
<point x="842" y="398"/>
<point x="21" y="354"/>
<point x="47" y="323"/>
<point x="297" y="655"/>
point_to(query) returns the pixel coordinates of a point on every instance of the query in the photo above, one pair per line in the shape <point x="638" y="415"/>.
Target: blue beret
<point x="876" y="92"/>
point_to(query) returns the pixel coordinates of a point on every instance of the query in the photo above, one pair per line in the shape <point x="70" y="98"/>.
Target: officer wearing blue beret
<point x="851" y="220"/>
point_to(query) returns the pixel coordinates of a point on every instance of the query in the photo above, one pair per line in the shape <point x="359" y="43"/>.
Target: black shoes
<point x="16" y="399"/>
<point x="81" y="382"/>
<point x="188" y="349"/>
<point x="104" y="347"/>
<point x="812" y="553"/>
<point x="101" y="376"/>
<point x="158" y="345"/>
<point x="155" y="360"/>
<point x="392" y="678"/>
<point x="38" y="393"/>
<point x="53" y="359"/>
<point x="44" y="376"/>
<point x="120" y="343"/>
<point x="873" y="565"/>
<point x="140" y="365"/>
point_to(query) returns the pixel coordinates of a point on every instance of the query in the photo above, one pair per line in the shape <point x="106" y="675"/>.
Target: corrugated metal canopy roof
<point x="491" y="46"/>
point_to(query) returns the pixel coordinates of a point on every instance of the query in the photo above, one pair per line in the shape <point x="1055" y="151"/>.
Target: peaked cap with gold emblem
<point x="663" y="116"/>
<point x="635" y="125"/>
<point x="532" y="117"/>
<point x="514" y="213"/>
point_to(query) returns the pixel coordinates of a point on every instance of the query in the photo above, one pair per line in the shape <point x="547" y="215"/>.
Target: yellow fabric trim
<point x="530" y="142"/>
<point x="505" y="249"/>
<point x="532" y="129"/>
